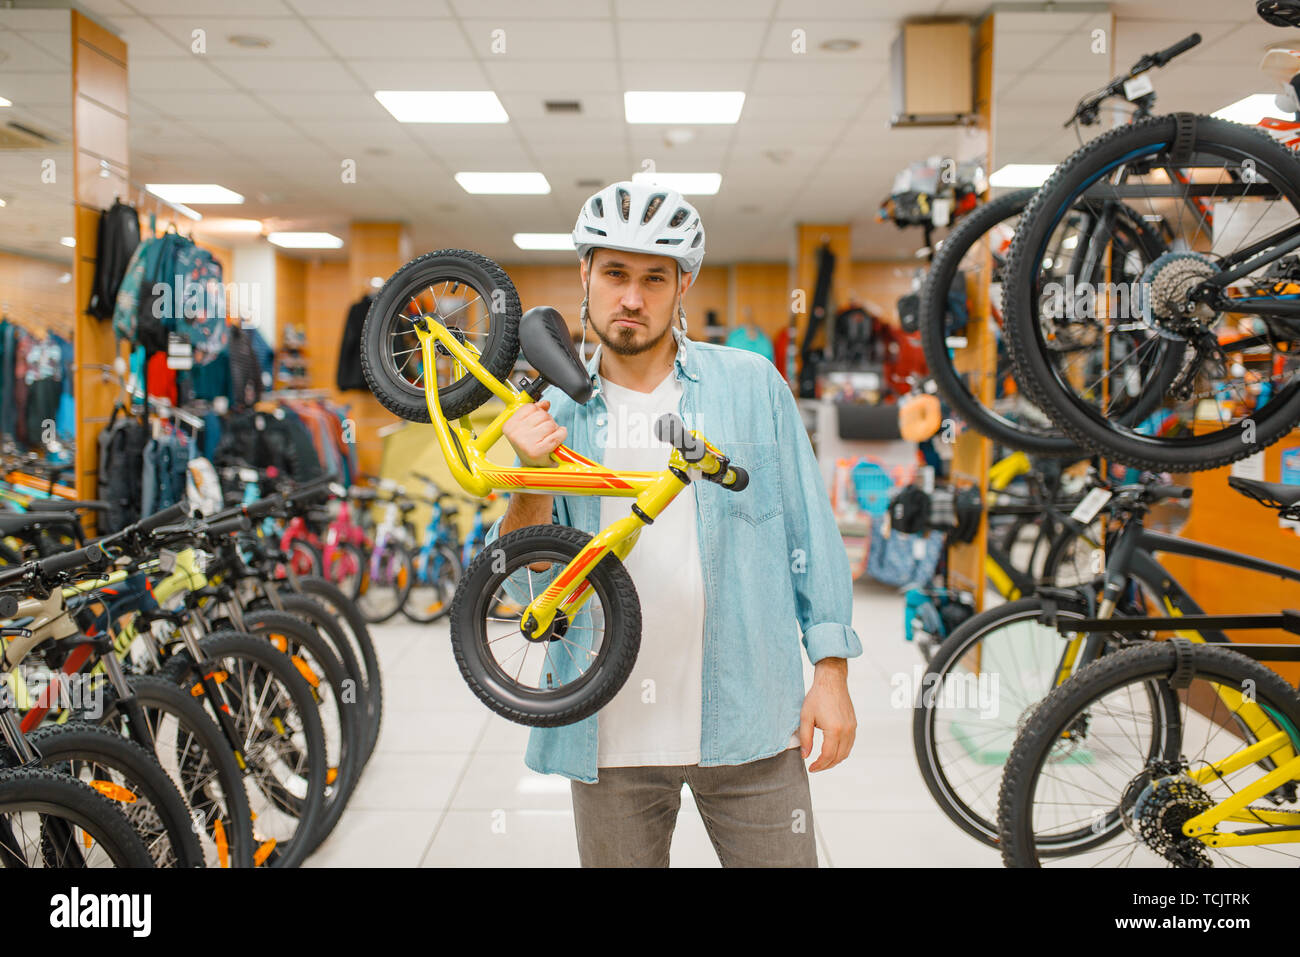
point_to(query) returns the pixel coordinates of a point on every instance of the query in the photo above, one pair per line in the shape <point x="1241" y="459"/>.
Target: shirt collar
<point x="683" y="363"/>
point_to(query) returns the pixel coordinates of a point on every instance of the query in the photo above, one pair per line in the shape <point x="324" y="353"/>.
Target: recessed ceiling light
<point x="443" y="106"/>
<point x="68" y="241"/>
<point x="3" y="204"/>
<point x="5" y="101"/>
<point x="543" y="240"/>
<point x="248" y="41"/>
<point x="516" y="184"/>
<point x="699" y="184"/>
<point x="1022" y="174"/>
<point x="589" y="182"/>
<point x="677" y="108"/>
<point x="678" y="136"/>
<point x="1251" y="109"/>
<point x="377" y="151"/>
<point x="197" y="193"/>
<point x="305" y="240"/>
<point x="840" y="45"/>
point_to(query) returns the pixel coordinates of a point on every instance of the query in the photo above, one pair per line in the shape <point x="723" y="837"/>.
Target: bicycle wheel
<point x="437" y="573"/>
<point x="981" y="686"/>
<point x="305" y="557"/>
<point x="52" y="820"/>
<point x="331" y="686"/>
<point x="467" y="293"/>
<point x="279" y="731"/>
<point x="1151" y="756"/>
<point x="1234" y="388"/>
<point x="194" y="754"/>
<point x="345" y="567"/>
<point x="386" y="582"/>
<point x="572" y="670"/>
<point x="129" y="775"/>
<point x="358" y="634"/>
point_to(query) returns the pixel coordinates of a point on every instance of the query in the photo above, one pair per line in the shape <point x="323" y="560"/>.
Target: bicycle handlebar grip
<point x="1182" y="46"/>
<point x="263" y="506"/>
<point x="1170" y="491"/>
<point x="167" y="516"/>
<point x="671" y="429"/>
<point x="229" y="526"/>
<point x="92" y="556"/>
<point x="741" y="482"/>
<point x="224" y="514"/>
<point x="8" y="606"/>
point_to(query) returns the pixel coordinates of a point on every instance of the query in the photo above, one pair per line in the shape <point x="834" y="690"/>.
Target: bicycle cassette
<point x="1157" y="815"/>
<point x="1166" y="284"/>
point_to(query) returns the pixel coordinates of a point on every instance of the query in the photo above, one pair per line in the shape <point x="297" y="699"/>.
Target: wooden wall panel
<point x="762" y="295"/>
<point x="99" y="134"/>
<point x="290" y="294"/>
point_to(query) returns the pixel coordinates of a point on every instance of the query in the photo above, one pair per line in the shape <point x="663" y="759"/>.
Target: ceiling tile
<point x="191" y="104"/>
<point x="242" y="8"/>
<point x="168" y="74"/>
<point x="815" y="76"/>
<point x="712" y="39"/>
<point x="402" y="41"/>
<point x="543" y="39"/>
<point x="293" y="76"/>
<point x="515" y="9"/>
<point x="708" y="74"/>
<point x="873" y="41"/>
<point x="540" y="76"/>
<point x="371" y="9"/>
<point x="289" y="36"/>
<point x="144" y="38"/>
<point x="420" y="74"/>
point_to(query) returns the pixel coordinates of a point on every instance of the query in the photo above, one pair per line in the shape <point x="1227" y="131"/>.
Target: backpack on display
<point x="118" y="237"/>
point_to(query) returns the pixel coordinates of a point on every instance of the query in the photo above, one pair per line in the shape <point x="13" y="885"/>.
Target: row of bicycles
<point x="1143" y="303"/>
<point x="175" y="694"/>
<point x="364" y="539"/>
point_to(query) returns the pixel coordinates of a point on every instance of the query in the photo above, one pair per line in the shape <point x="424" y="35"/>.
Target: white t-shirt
<point x="655" y="717"/>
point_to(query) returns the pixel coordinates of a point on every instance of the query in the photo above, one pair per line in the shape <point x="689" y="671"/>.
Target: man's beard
<point x="623" y="342"/>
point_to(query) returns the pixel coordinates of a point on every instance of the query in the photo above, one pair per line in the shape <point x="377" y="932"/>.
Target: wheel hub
<point x="558" y="628"/>
<point x="1156" y="805"/>
<point x="1167" y="284"/>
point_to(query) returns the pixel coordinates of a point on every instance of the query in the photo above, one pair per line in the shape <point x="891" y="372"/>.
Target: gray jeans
<point x="757" y="814"/>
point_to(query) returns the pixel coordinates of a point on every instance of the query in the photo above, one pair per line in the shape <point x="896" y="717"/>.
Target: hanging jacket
<point x="245" y="372"/>
<point x="349" y="372"/>
<point x="119" y="235"/>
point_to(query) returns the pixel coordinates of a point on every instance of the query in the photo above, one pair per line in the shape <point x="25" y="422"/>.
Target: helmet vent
<point x="678" y="217"/>
<point x="668" y="242"/>
<point x="598" y="232"/>
<point x="598" y="208"/>
<point x="652" y="207"/>
<point x="624" y="204"/>
<point x="699" y="237"/>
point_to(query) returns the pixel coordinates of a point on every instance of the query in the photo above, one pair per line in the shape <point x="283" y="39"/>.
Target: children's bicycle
<point x="438" y="341"/>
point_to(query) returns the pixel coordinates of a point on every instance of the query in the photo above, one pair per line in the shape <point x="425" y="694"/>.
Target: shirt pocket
<point x="760" y="502"/>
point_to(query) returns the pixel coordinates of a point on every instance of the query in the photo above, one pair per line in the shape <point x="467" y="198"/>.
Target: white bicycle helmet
<point x="639" y="218"/>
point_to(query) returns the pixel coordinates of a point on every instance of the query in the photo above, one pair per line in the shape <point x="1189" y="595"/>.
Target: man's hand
<point x="533" y="434"/>
<point x="827" y="706"/>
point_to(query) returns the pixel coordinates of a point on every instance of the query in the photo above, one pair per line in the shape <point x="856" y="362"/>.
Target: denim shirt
<point x="775" y="567"/>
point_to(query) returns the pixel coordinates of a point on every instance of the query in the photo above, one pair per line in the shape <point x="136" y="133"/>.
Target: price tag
<point x="180" y="354"/>
<point x="1087" y="510"/>
<point x="1138" y="87"/>
<point x="918" y="548"/>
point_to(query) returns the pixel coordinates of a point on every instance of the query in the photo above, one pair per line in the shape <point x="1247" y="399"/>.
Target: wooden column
<point x="971" y="457"/>
<point x="99" y="144"/>
<point x="374" y="249"/>
<point x="809" y="239"/>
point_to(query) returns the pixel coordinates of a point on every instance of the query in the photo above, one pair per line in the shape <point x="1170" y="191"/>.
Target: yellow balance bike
<point x="438" y="342"/>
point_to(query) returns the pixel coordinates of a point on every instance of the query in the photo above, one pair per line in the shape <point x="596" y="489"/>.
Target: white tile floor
<point x="447" y="785"/>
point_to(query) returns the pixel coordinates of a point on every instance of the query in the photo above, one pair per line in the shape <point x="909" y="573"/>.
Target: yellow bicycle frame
<point x="573" y="474"/>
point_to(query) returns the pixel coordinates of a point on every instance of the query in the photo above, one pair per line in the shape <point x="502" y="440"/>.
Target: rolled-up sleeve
<point x="819" y="563"/>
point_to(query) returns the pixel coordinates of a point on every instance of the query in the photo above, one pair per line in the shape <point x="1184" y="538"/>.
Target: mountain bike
<point x="1164" y="753"/>
<point x="1220" y="303"/>
<point x="438" y="338"/>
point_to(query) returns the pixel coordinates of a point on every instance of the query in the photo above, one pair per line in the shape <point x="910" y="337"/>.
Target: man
<point x="727" y="580"/>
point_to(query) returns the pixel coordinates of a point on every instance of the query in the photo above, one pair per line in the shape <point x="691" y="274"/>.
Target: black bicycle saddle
<point x="546" y="344"/>
<point x="1273" y="494"/>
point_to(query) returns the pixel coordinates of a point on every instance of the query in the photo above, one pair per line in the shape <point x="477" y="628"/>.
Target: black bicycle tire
<point x="955" y="646"/>
<point x="359" y="634"/>
<point x="42" y="790"/>
<point x="263" y="621"/>
<point x="80" y="740"/>
<point x="452" y="555"/>
<point x="1154" y="661"/>
<point x="293" y="851"/>
<point x="622" y="637"/>
<point x="497" y="356"/>
<point x="1033" y="372"/>
<point x="400" y="591"/>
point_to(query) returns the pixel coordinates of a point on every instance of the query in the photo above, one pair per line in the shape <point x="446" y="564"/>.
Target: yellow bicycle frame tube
<point x="573" y="474"/>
